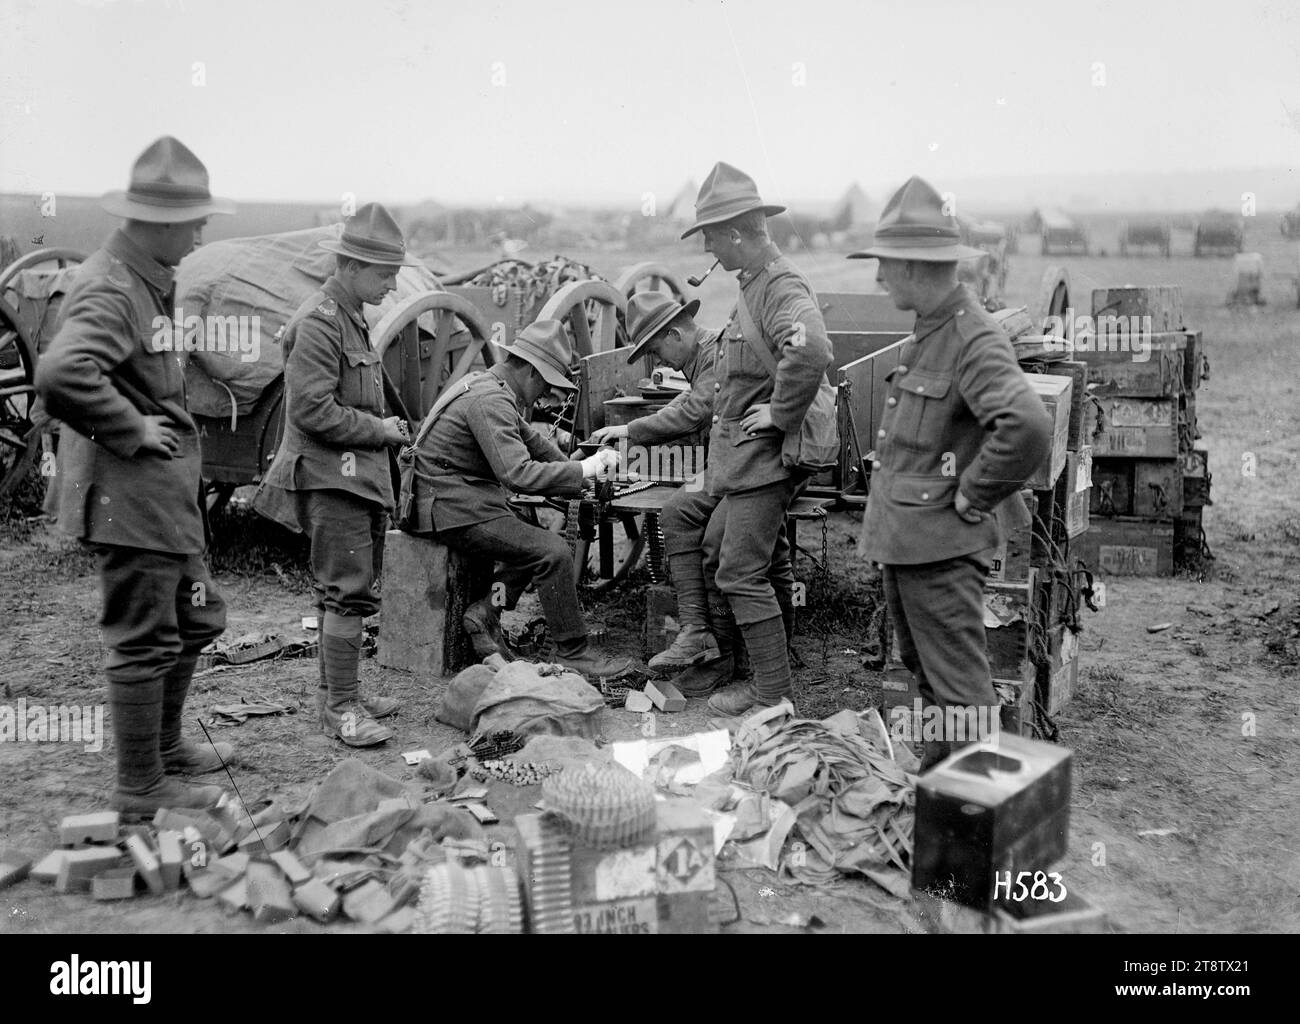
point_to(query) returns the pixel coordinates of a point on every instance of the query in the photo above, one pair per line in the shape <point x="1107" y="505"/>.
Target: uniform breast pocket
<point x="920" y="419"/>
<point x="360" y="385"/>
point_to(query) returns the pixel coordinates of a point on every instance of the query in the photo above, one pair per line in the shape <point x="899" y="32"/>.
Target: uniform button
<point x="925" y="495"/>
<point x="920" y="388"/>
<point x="715" y="419"/>
<point x="960" y="312"/>
<point x="901" y="369"/>
<point x="880" y="432"/>
<point x="717" y="387"/>
<point x="876" y="465"/>
<point x="891" y="400"/>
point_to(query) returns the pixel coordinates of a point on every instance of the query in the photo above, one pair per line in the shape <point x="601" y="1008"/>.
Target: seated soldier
<point x="479" y="446"/>
<point x="708" y="646"/>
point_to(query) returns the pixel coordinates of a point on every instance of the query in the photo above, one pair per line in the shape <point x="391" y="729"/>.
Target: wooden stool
<point x="426" y="588"/>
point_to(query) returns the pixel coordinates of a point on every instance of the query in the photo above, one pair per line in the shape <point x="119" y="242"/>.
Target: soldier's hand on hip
<point x="757" y="417"/>
<point x="966" y="510"/>
<point x="159" y="437"/>
<point x="395" y="431"/>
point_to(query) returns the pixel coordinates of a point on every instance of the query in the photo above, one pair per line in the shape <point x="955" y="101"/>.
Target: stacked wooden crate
<point x="1150" y="478"/>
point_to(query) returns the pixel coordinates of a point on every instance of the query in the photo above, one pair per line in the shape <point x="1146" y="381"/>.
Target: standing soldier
<point x="709" y="653"/>
<point x="777" y="322"/>
<point x="962" y="431"/>
<point x="331" y="477"/>
<point x="129" y="474"/>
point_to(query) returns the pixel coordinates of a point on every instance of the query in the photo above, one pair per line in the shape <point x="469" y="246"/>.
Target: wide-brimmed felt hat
<point x="372" y="236"/>
<point x="648" y="313"/>
<point x="545" y="344"/>
<point x="169" y="185"/>
<point x="727" y="193"/>
<point x="914" y="226"/>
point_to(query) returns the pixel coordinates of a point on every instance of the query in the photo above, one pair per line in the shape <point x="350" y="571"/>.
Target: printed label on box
<point x="626" y="873"/>
<point x="626" y="917"/>
<point x="684" y="867"/>
<point x="1133" y="561"/>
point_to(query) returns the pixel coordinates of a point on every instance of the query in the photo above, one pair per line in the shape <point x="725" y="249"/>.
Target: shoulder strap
<point x="462" y="387"/>
<point x="750" y="331"/>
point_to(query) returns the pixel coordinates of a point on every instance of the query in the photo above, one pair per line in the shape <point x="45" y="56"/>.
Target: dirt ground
<point x="1185" y="810"/>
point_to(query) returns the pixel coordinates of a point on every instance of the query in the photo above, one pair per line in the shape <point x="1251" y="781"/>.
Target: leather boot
<point x="142" y="788"/>
<point x="482" y="621"/>
<point x="344" y="717"/>
<point x="694" y="645"/>
<point x="701" y="680"/>
<point x="771" y="684"/>
<point x="378" y="707"/>
<point x="580" y="655"/>
<point x="181" y="756"/>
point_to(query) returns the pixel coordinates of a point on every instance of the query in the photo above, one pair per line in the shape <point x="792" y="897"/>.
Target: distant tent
<point x="682" y="209"/>
<point x="853" y="210"/>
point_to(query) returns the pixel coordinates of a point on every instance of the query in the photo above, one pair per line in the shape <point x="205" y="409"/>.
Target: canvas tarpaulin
<point x="268" y="277"/>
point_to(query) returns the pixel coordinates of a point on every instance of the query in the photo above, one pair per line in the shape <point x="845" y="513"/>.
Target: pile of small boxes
<point x="241" y="861"/>
<point x="1151" y="473"/>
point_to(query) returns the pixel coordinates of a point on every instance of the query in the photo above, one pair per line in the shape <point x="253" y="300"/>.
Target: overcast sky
<point x="564" y="100"/>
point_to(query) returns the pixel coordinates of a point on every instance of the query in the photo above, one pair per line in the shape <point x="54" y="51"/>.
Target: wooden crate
<point x="1056" y="394"/>
<point x="1012" y="606"/>
<point x="1155" y="372"/>
<point x="426" y="587"/>
<point x="1150" y="488"/>
<point x="1017" y="698"/>
<point x="1079" y="376"/>
<point x="1196" y="476"/>
<point x="1127" y="546"/>
<point x="1059" y="676"/>
<point x="1133" y="427"/>
<point x="1163" y="303"/>
<point x="1189" y="550"/>
<point x="972" y="822"/>
<point x="1012" y="558"/>
<point x="1195" y="365"/>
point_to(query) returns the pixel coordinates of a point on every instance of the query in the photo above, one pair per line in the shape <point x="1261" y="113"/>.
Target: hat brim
<point x="120" y="204"/>
<point x="551" y="375"/>
<point x="658" y="324"/>
<point x="342" y="249"/>
<point x="949" y="253"/>
<point x="708" y="222"/>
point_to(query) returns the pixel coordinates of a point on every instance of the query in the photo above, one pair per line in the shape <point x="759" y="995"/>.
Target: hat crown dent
<point x="915" y="210"/>
<point x="373" y="227"/>
<point x="169" y="166"/>
<point x="548" y="341"/>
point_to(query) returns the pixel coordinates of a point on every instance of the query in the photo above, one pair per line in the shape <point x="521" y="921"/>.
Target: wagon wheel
<point x="1053" y="296"/>
<point x="19" y="437"/>
<point x="591" y="311"/>
<point x="63" y="257"/>
<point x="421" y="366"/>
<point x="655" y="277"/>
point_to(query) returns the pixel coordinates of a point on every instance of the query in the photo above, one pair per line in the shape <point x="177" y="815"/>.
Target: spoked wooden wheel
<point x="1053" y="296"/>
<point x="591" y="311"/>
<point x="652" y="277"/>
<point x="62" y="258"/>
<point x="19" y="438"/>
<point x="423" y="362"/>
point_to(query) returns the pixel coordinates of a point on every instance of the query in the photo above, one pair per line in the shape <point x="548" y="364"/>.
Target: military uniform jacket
<point x="690" y="410"/>
<point x="784" y="308"/>
<point x="334" y="407"/>
<point x="960" y="414"/>
<point x="479" y="448"/>
<point x="101" y="375"/>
